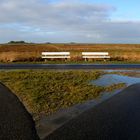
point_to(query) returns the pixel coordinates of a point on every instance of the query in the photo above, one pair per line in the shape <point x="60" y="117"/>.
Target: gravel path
<point x="117" y="118"/>
<point x="15" y="122"/>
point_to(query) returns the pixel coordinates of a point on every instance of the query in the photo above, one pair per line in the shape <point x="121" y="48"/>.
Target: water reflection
<point x="109" y="79"/>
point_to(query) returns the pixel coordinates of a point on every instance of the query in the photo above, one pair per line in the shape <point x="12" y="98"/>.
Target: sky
<point x="64" y="21"/>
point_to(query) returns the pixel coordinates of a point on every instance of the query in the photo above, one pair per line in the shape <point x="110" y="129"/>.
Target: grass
<point x="115" y="87"/>
<point x="72" y="62"/>
<point x="123" y="53"/>
<point x="45" y="92"/>
<point x="87" y="62"/>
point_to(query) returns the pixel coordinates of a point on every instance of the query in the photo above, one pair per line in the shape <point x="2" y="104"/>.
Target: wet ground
<point x="110" y="79"/>
<point x="117" y="118"/>
<point x="47" y="124"/>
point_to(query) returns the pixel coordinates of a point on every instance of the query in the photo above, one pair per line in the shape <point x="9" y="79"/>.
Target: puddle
<point x="122" y="70"/>
<point x="47" y="124"/>
<point x="109" y="79"/>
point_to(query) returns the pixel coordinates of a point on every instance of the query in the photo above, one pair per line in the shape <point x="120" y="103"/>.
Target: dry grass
<point x="19" y="56"/>
<point x="32" y="52"/>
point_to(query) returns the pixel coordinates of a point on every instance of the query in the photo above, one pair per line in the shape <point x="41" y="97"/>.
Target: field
<point x="45" y="92"/>
<point x="32" y="52"/>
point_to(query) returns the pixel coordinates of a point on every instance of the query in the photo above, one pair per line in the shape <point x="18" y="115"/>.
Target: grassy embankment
<point x="44" y="92"/>
<point x="120" y="53"/>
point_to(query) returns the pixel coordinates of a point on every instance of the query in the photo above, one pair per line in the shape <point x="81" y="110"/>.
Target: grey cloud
<point x="26" y="12"/>
<point x="63" y="21"/>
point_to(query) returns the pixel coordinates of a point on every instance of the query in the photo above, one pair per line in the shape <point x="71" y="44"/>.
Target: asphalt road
<point x="117" y="118"/>
<point x="15" y="122"/>
<point x="69" y="66"/>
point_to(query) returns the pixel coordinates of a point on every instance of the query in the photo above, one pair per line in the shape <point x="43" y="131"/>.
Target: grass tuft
<point x="48" y="91"/>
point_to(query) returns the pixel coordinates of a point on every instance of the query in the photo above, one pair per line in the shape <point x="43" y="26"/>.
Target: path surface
<point x="15" y="122"/>
<point x="69" y="66"/>
<point x="117" y="118"/>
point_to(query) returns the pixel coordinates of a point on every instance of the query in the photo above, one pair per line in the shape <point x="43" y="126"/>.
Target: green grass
<point x="74" y="62"/>
<point x="48" y="91"/>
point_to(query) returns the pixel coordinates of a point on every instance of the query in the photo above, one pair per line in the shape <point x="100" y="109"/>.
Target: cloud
<point x="63" y="21"/>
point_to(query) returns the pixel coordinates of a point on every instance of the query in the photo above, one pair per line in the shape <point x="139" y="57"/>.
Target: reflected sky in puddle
<point x="109" y="79"/>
